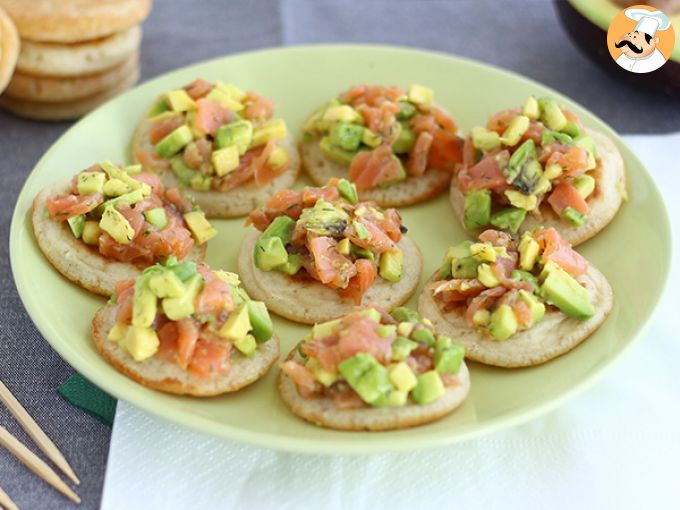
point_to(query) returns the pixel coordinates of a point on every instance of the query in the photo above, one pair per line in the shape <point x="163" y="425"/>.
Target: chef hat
<point x="648" y="22"/>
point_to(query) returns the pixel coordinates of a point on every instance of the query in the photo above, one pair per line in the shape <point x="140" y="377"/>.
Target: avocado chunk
<point x="278" y="158"/>
<point x="404" y="314"/>
<point x="270" y="253"/>
<point x="174" y="142"/>
<point x="272" y="129"/>
<point x="423" y="335"/>
<point x="503" y="323"/>
<point x="574" y="217"/>
<point x="260" y="321"/>
<point x="420" y="95"/>
<point x="528" y="252"/>
<point x="292" y="265"/>
<point x="402" y="377"/>
<point x="324" y="219"/>
<point x="180" y="101"/>
<point x="551" y="114"/>
<point x="523" y="169"/>
<point x="454" y="255"/>
<point x="402" y="347"/>
<point x="405" y="141"/>
<point x="182" y="306"/>
<point x="117" y="332"/>
<point x="237" y="324"/>
<point x="91" y="232"/>
<point x="185" y="270"/>
<point x="117" y="226"/>
<point x="429" y="388"/>
<point x="406" y="110"/>
<point x="157" y="217"/>
<point x="370" y="138"/>
<point x="486" y="275"/>
<point x="555" y="136"/>
<point x="525" y="276"/>
<point x="372" y="314"/>
<point x="521" y="200"/>
<point x="585" y="185"/>
<point x="515" y="130"/>
<point x="485" y="140"/>
<point x="587" y="143"/>
<point x="464" y="268"/>
<point x="282" y="227"/>
<point x="324" y="329"/>
<point x="537" y="308"/>
<point x="483" y="252"/>
<point x="342" y="113"/>
<point x="366" y="376"/>
<point x="166" y="284"/>
<point x="387" y="330"/>
<point x="91" y="182"/>
<point x="566" y="293"/>
<point x="144" y="305"/>
<point x="140" y="342"/>
<point x="572" y="129"/>
<point x="77" y="225"/>
<point x="183" y="173"/>
<point x="222" y="96"/>
<point x="335" y="153"/>
<point x="225" y="160"/>
<point x="531" y="108"/>
<point x="449" y="359"/>
<point x="510" y="218"/>
<point x="160" y="106"/>
<point x="348" y="190"/>
<point x="346" y="136"/>
<point x="246" y="345"/>
<point x="477" y="209"/>
<point x="392" y="265"/>
<point x="199" y="226"/>
<point x="115" y="188"/>
<point x="238" y="133"/>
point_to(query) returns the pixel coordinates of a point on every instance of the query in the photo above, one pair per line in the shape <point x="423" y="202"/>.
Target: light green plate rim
<point x="461" y="425"/>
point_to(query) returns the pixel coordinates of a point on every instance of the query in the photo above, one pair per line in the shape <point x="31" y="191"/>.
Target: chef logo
<point x="640" y="39"/>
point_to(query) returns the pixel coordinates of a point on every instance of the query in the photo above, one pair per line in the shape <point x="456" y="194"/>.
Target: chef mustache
<point x="626" y="42"/>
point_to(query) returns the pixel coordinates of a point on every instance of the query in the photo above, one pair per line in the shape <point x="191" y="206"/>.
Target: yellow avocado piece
<point x="274" y="128"/>
<point x="231" y="90"/>
<point x="115" y="188"/>
<point x="531" y="108"/>
<point x="166" y="284"/>
<point x="117" y="226"/>
<point x="518" y="199"/>
<point x="91" y="182"/>
<point x="528" y="252"/>
<point x="403" y="377"/>
<point x="220" y="96"/>
<point x="183" y="306"/>
<point x="228" y="277"/>
<point x="237" y="324"/>
<point x="486" y="275"/>
<point x="324" y="329"/>
<point x="278" y="158"/>
<point x="483" y="252"/>
<point x="91" y="232"/>
<point x="141" y="343"/>
<point x="342" y="113"/>
<point x="143" y="306"/>
<point x="420" y="95"/>
<point x="552" y="171"/>
<point x="225" y="160"/>
<point x="180" y="101"/>
<point x="199" y="226"/>
<point x="247" y="345"/>
<point x="118" y="332"/>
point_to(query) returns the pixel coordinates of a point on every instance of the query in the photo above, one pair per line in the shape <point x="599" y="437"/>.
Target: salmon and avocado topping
<point x="216" y="137"/>
<point x="383" y="134"/>
<point x="128" y="215"/>
<point x="371" y="358"/>
<point x="327" y="234"/>
<point x="502" y="285"/>
<point x="188" y="315"/>
<point x="523" y="158"/>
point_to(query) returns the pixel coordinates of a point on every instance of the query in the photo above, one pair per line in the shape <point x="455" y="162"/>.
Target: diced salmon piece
<point x="361" y="282"/>
<point x="62" y="207"/>
<point x="210" y="115"/>
<point x="565" y="195"/>
<point x="559" y="251"/>
<point x="303" y="378"/>
<point x="333" y="269"/>
<point x="163" y="127"/>
<point x="372" y="168"/>
<point x="418" y="157"/>
<point x="198" y="88"/>
<point x="187" y="338"/>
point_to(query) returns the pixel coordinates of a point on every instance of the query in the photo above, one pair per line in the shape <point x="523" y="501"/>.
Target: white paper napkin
<point x="616" y="446"/>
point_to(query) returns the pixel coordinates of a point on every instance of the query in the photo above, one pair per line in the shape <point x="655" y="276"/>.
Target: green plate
<point x="633" y="251"/>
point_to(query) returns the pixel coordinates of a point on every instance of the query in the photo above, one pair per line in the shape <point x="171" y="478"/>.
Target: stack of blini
<point x="74" y="55"/>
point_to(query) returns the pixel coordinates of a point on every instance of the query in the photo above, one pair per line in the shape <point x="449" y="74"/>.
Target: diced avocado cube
<point x="503" y="323"/>
<point x="402" y="347"/>
<point x="180" y="101"/>
<point x="323" y="376"/>
<point x="117" y="226"/>
<point x="231" y="90"/>
<point x="278" y="158"/>
<point x="77" y="225"/>
<point x="481" y="318"/>
<point x="366" y="376"/>
<point x="442" y="343"/>
<point x="246" y="345"/>
<point x="551" y="114"/>
<point x="272" y="129"/>
<point x="574" y="217"/>
<point x="174" y="142"/>
<point x="387" y="330"/>
<point x="348" y="191"/>
<point x="220" y="96"/>
<point x="292" y="265"/>
<point x="157" y="217"/>
<point x="485" y="140"/>
<point x="525" y="276"/>
<point x="325" y="219"/>
<point x="453" y="255"/>
<point x="531" y="108"/>
<point x="185" y="270"/>
<point x="370" y="138"/>
<point x="346" y="136"/>
<point x="157" y="108"/>
<point x="405" y="328"/>
<point x="572" y="129"/>
<point x="392" y="265"/>
<point x="270" y="253"/>
<point x="372" y="314"/>
<point x="548" y="267"/>
<point x="405" y="141"/>
<point x="587" y="143"/>
<point x="404" y="314"/>
<point x="324" y="329"/>
<point x="449" y="360"/>
<point x="225" y="160"/>
<point x="260" y="321"/>
<point x="522" y="157"/>
<point x="483" y="252"/>
<point x="342" y="113"/>
<point x="182" y="306"/>
<point x="344" y="246"/>
<point x="400" y="177"/>
<point x="335" y="153"/>
<point x="394" y="398"/>
<point x="552" y="171"/>
<point x="228" y="277"/>
<point x="420" y="95"/>
<point x="238" y="133"/>
<point x="143" y="306"/>
<point x="585" y="185"/>
<point x="515" y="130"/>
<point x="361" y="231"/>
<point x="537" y="308"/>
<point x="140" y="342"/>
<point x="166" y="284"/>
<point x="520" y="200"/>
<point x="200" y="227"/>
<point x="477" y="209"/>
<point x="181" y="171"/>
<point x="567" y="294"/>
<point x="464" y="268"/>
<point x="115" y="188"/>
<point x="555" y="136"/>
<point x="91" y="232"/>
<point x="200" y="181"/>
<point x="133" y="169"/>
<point x="282" y="227"/>
<point x="129" y="198"/>
<point x="423" y="335"/>
<point x="237" y="324"/>
<point x="406" y="110"/>
<point x="486" y="275"/>
<point x="91" y="182"/>
<point x="117" y="332"/>
<point x="429" y="388"/>
<point x="510" y="218"/>
<point x="403" y="377"/>
<point x="361" y="253"/>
